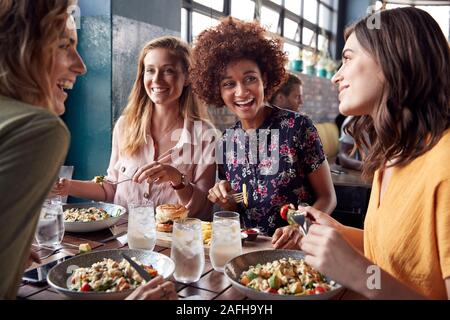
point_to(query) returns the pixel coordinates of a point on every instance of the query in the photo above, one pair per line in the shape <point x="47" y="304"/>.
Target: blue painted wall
<point x="88" y="109"/>
<point x="110" y="56"/>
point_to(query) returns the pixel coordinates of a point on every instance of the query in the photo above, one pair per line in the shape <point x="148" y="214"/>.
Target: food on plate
<point x="206" y="232"/>
<point x="166" y="214"/>
<point x="99" y="179"/>
<point x="287" y="277"/>
<point x="84" y="247"/>
<point x="85" y="214"/>
<point x="109" y="276"/>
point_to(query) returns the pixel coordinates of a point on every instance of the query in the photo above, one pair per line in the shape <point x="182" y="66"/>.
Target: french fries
<point x="206" y="232"/>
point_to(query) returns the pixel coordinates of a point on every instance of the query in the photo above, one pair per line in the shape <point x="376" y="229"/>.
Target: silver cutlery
<point x="144" y="274"/>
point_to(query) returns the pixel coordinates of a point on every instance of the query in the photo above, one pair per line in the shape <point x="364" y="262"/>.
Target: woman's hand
<point x="327" y="250"/>
<point x="287" y="237"/>
<point x="156" y="289"/>
<point x="61" y="187"/>
<point x="220" y="194"/>
<point x="157" y="173"/>
<point x="33" y="257"/>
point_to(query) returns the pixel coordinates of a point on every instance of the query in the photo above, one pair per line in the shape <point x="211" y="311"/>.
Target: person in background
<point x="398" y="89"/>
<point x="155" y="140"/>
<point x="347" y="156"/>
<point x="290" y="95"/>
<point x="237" y="65"/>
<point x="38" y="62"/>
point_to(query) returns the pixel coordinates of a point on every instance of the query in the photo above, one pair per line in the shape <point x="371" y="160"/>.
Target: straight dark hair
<point x="414" y="56"/>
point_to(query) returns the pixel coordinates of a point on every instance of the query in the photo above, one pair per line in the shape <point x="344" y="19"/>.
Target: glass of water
<point x="187" y="250"/>
<point x="141" y="225"/>
<point x="226" y="239"/>
<point x="50" y="227"/>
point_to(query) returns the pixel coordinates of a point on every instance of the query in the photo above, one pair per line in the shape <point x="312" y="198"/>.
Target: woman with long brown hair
<point x="38" y="61"/>
<point x="161" y="142"/>
<point x="396" y="81"/>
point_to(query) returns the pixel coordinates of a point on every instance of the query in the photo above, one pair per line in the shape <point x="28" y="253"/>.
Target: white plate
<point x="114" y="210"/>
<point x="59" y="275"/>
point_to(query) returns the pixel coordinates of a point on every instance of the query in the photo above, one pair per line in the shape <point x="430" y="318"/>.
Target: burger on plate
<point x="166" y="214"/>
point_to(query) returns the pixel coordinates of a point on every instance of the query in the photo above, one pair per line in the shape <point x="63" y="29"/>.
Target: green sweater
<point x="33" y="146"/>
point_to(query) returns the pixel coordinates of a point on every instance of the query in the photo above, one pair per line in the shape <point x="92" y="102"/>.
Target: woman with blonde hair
<point x="161" y="142"/>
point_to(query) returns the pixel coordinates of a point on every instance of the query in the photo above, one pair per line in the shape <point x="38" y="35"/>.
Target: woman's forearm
<point x="374" y="283"/>
<point x="87" y="190"/>
<point x="326" y="203"/>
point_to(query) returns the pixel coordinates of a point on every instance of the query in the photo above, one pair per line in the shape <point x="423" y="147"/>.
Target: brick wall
<point x="320" y="96"/>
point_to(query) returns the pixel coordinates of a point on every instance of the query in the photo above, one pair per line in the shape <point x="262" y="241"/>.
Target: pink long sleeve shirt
<point x="193" y="155"/>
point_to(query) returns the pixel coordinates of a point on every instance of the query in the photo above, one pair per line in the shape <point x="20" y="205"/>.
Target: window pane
<point x="290" y="29"/>
<point x="325" y="17"/>
<point x="323" y="45"/>
<point x="184" y="34"/>
<point x="292" y="51"/>
<point x="269" y="19"/>
<point x="201" y="22"/>
<point x="215" y="4"/>
<point x="277" y="1"/>
<point x="328" y="2"/>
<point x="243" y="9"/>
<point x="309" y="37"/>
<point x="310" y="11"/>
<point x="293" y="5"/>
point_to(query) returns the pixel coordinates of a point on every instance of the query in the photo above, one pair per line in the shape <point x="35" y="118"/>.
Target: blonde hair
<point x="137" y="113"/>
<point x="29" y="34"/>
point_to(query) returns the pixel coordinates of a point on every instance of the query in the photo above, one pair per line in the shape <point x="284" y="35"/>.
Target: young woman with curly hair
<point x="155" y="139"/>
<point x="238" y="65"/>
<point x="399" y="90"/>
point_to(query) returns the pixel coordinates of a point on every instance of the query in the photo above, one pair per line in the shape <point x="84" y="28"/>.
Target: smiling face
<point x="66" y="67"/>
<point x="242" y="91"/>
<point x="164" y="78"/>
<point x="360" y="80"/>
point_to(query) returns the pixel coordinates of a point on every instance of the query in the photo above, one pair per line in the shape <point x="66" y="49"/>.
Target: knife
<point x="112" y="237"/>
<point x="144" y="274"/>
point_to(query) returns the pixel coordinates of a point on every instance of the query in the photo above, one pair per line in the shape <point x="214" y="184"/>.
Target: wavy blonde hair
<point x="29" y="35"/>
<point x="137" y="114"/>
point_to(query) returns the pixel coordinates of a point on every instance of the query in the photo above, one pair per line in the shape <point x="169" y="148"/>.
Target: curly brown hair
<point x="233" y="40"/>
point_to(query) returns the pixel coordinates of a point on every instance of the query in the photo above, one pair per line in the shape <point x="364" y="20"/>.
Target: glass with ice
<point x="141" y="225"/>
<point x="226" y="239"/>
<point x="187" y="250"/>
<point x="50" y="227"/>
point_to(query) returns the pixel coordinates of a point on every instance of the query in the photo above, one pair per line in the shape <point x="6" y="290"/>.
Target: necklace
<point x="165" y="132"/>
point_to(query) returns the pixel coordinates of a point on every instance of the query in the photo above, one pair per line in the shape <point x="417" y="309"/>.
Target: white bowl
<point x="114" y="210"/>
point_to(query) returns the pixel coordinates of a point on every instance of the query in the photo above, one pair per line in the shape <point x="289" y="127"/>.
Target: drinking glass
<point x="50" y="227"/>
<point x="141" y="225"/>
<point x="226" y="239"/>
<point x="187" y="250"/>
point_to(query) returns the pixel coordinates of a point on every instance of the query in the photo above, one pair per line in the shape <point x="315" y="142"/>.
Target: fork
<point x="116" y="182"/>
<point x="241" y="197"/>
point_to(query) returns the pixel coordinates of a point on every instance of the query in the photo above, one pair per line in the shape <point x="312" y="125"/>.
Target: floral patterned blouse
<point x="274" y="162"/>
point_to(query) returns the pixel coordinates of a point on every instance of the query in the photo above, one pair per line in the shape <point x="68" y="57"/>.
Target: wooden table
<point x="212" y="285"/>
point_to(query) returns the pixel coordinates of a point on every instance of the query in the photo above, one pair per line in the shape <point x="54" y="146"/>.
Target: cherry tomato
<point x="85" y="287"/>
<point x="283" y="211"/>
<point x="272" y="290"/>
<point x="319" y="290"/>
